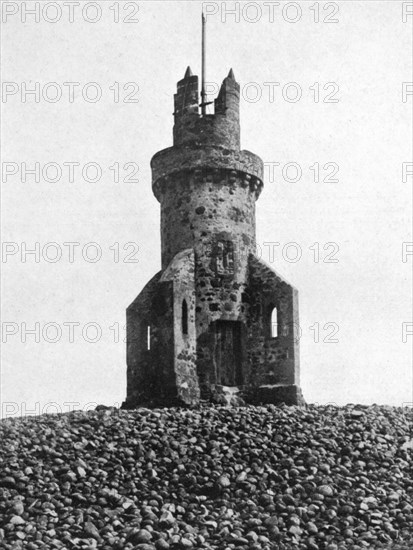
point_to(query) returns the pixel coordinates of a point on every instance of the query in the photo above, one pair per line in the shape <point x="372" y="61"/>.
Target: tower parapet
<point x="220" y="129"/>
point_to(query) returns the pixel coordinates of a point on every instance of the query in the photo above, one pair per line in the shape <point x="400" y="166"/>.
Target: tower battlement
<point x="221" y="129"/>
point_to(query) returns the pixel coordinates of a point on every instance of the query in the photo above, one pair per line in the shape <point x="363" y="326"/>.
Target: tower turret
<point x="205" y="175"/>
<point x="187" y="96"/>
<point x="221" y="128"/>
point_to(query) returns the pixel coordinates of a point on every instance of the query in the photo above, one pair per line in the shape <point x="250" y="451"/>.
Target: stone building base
<point x="276" y="394"/>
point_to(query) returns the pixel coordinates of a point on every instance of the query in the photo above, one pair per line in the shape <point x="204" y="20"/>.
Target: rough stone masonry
<point x="216" y="320"/>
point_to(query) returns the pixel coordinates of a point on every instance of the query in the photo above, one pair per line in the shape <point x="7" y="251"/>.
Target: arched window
<point x="274" y="322"/>
<point x="184" y="317"/>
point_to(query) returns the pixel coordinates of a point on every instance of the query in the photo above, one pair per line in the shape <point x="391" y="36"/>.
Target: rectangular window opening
<point x="274" y="323"/>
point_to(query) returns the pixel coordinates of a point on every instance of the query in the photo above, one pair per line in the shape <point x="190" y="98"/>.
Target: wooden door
<point x="228" y="353"/>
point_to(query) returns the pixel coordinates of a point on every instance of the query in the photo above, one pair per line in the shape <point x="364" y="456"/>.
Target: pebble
<point x="326" y="490"/>
<point x="143" y="535"/>
<point x="18" y="508"/>
<point x="213" y="477"/>
<point x="17" y="520"/>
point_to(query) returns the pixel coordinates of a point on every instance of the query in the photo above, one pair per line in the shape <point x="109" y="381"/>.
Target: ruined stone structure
<point x="215" y="316"/>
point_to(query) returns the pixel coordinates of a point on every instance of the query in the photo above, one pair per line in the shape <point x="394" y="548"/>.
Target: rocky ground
<point x="255" y="478"/>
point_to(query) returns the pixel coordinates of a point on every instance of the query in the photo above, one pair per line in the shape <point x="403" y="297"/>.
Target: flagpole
<point x="203" y="94"/>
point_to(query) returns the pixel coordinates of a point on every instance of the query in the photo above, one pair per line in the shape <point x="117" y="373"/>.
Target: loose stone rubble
<point x="256" y="478"/>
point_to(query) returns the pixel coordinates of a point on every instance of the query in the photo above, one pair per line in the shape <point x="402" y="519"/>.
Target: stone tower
<point x="215" y="318"/>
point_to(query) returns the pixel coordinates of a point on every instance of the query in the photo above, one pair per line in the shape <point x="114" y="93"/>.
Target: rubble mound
<point x="214" y="477"/>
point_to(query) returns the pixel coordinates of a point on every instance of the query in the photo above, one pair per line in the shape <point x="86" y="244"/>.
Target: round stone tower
<point x="204" y="183"/>
<point x="207" y="314"/>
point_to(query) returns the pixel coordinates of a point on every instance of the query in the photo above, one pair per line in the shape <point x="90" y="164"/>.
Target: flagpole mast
<point x="203" y="94"/>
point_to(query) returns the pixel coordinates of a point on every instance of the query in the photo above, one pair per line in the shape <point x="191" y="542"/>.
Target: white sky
<point x="367" y="133"/>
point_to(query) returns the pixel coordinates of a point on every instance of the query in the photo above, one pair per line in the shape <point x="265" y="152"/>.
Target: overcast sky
<point x="326" y="95"/>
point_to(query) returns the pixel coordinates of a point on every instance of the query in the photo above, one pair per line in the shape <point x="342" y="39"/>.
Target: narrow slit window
<point x="148" y="337"/>
<point x="274" y="323"/>
<point x="184" y="318"/>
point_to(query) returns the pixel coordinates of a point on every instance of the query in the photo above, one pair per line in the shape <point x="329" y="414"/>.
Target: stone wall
<point x="181" y="272"/>
<point x="274" y="361"/>
<point x="165" y="373"/>
<point x="150" y="372"/>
